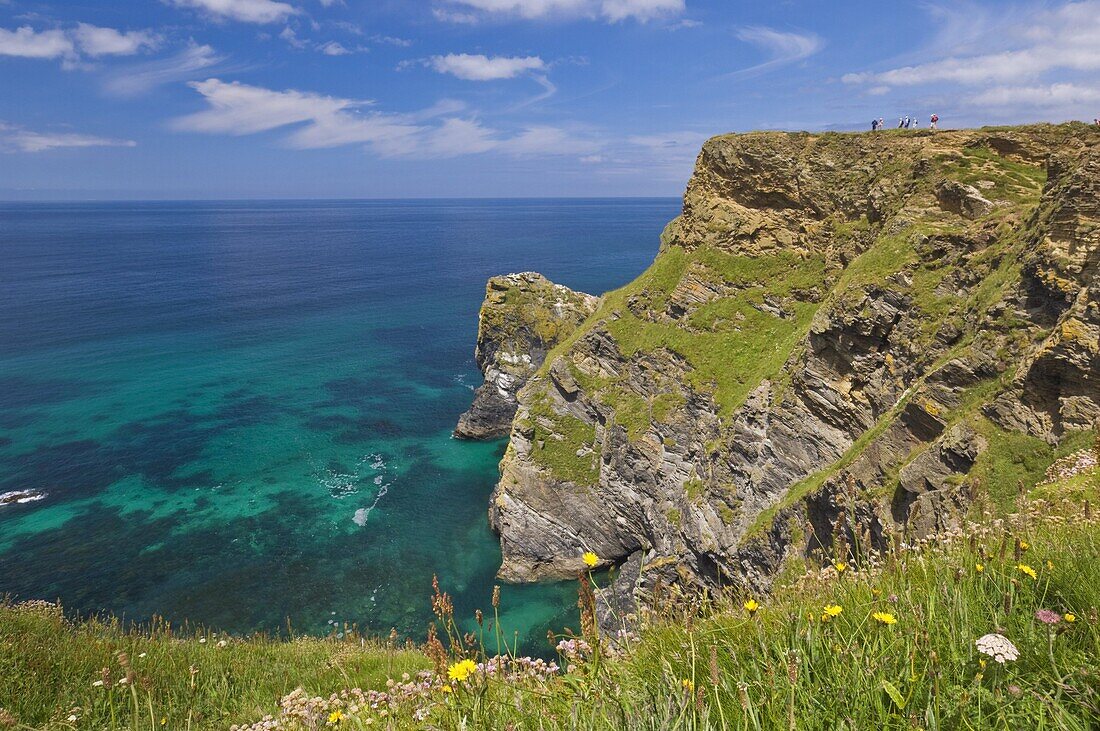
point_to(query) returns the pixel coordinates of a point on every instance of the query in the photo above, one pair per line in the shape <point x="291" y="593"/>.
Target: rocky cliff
<point x="522" y="318"/>
<point x="843" y="337"/>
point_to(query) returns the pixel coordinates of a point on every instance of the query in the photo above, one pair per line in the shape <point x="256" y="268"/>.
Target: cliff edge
<point x="843" y="337"/>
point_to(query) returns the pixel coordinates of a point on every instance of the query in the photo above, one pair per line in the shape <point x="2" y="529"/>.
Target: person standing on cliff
<point x="935" y="121"/>
<point x="874" y="125"/>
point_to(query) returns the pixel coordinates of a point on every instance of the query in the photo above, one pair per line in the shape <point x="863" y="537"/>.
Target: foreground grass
<point x="872" y="641"/>
<point x="56" y="674"/>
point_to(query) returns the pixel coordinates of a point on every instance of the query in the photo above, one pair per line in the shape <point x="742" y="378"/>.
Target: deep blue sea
<point x="239" y="414"/>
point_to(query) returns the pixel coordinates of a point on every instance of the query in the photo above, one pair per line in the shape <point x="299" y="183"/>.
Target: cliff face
<point x="842" y="336"/>
<point x="522" y="318"/>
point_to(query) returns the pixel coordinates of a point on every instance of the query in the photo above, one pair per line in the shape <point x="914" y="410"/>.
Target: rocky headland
<point x="843" y="338"/>
<point x="522" y="318"/>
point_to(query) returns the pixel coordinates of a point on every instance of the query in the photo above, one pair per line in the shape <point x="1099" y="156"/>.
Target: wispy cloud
<point x="781" y="47"/>
<point x="318" y="121"/>
<point x="18" y="139"/>
<point x="246" y="11"/>
<point x="477" y="67"/>
<point x="190" y="63"/>
<point x="609" y="10"/>
<point x="1011" y="58"/>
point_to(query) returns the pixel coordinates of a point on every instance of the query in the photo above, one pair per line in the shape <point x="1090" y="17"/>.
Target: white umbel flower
<point x="998" y="647"/>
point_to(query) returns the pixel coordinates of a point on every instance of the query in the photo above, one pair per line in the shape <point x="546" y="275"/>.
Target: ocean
<point x="238" y="414"/>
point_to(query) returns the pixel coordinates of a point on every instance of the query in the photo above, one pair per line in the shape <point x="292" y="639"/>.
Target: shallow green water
<point x="240" y="414"/>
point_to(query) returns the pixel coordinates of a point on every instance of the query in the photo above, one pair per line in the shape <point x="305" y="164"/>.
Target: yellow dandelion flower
<point x="688" y="685"/>
<point x="840" y="566"/>
<point x="979" y="567"/>
<point x="335" y="717"/>
<point x="1024" y="545"/>
<point x="462" y="670"/>
<point x="1070" y="617"/>
<point x="1050" y="565"/>
<point x="833" y="610"/>
<point x="751" y="606"/>
<point x="884" y="618"/>
<point x="1025" y="569"/>
<point x="590" y="559"/>
<point x="447" y="689"/>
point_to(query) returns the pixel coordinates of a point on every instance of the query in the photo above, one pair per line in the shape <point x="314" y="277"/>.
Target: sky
<point x="220" y="99"/>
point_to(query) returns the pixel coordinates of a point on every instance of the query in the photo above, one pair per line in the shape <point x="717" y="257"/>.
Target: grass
<point x="689" y="663"/>
<point x="557" y="440"/>
<point x="49" y="667"/>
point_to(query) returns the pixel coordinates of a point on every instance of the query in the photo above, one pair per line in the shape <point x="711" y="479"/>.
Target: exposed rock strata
<point x="522" y="318"/>
<point x="834" y="332"/>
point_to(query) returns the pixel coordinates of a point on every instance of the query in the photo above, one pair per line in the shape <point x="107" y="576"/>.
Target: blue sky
<point x="421" y="98"/>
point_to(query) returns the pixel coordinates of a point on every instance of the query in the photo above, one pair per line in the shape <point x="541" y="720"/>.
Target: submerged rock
<point x="522" y="318"/>
<point x="19" y="497"/>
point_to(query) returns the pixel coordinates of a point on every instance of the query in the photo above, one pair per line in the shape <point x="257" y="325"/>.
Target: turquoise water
<point x="240" y="413"/>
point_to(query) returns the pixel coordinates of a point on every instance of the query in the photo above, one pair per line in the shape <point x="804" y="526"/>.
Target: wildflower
<point x="1070" y="617"/>
<point x="1023" y="568"/>
<point x="97" y="684"/>
<point x="840" y="567"/>
<point x="831" y="610"/>
<point x="751" y="606"/>
<point x="688" y="686"/>
<point x="335" y="717"/>
<point x="1024" y="545"/>
<point x="222" y="643"/>
<point x="884" y="618"/>
<point x="979" y="567"/>
<point x="590" y="559"/>
<point x="144" y="654"/>
<point x="461" y="670"/>
<point x="72" y="718"/>
<point x="447" y="689"/>
<point x="1048" y="617"/>
<point x="202" y="640"/>
<point x="998" y="647"/>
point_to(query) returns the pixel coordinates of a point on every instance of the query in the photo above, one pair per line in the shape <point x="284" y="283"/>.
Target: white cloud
<point x="476" y="67"/>
<point x="609" y="10"/>
<point x="1060" y="39"/>
<point x="334" y="48"/>
<point x="246" y="11"/>
<point x="26" y="43"/>
<point x="18" y="139"/>
<point x="318" y="121"/>
<point x="184" y="66"/>
<point x="1048" y="96"/>
<point x="782" y="48"/>
<point x="85" y="40"/>
<point x="95" y="41"/>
